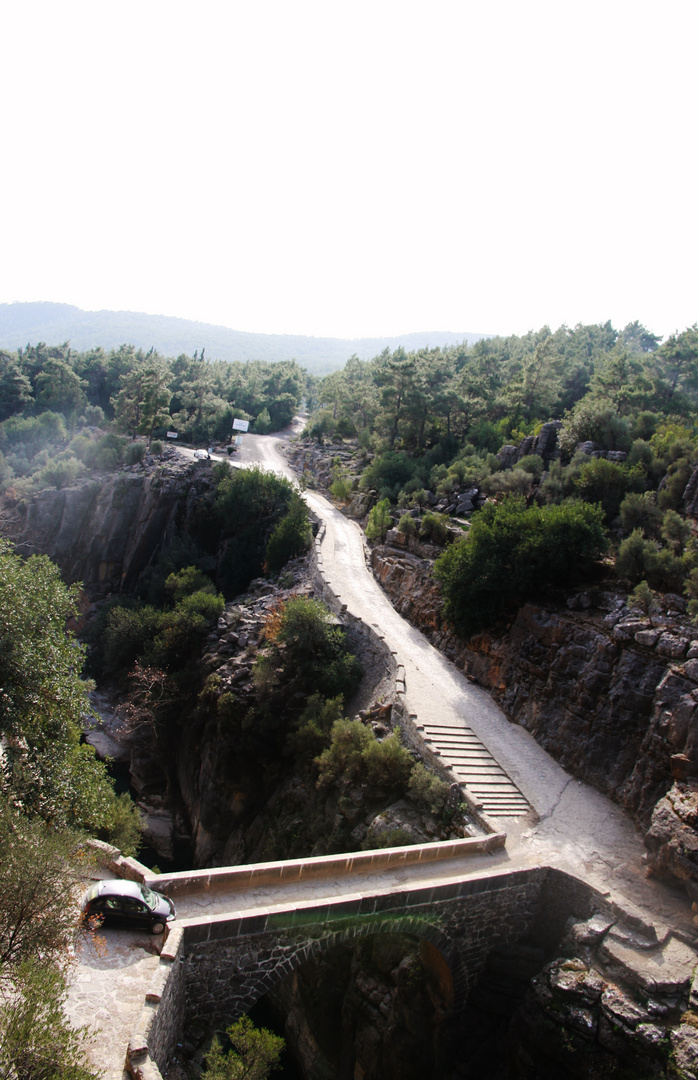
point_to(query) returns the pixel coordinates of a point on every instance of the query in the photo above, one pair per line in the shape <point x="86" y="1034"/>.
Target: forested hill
<point x="31" y="323"/>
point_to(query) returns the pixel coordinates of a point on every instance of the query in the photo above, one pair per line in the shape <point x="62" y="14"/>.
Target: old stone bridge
<point x="243" y="929"/>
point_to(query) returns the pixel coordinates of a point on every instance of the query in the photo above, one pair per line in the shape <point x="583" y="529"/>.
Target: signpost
<point x="240" y="425"/>
<point x="172" y="434"/>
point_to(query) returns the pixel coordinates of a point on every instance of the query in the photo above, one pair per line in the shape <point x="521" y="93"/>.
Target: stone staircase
<point x="474" y="766"/>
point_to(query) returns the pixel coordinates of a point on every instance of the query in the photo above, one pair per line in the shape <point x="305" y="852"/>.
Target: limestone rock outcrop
<point x="106" y="530"/>
<point x="610" y="692"/>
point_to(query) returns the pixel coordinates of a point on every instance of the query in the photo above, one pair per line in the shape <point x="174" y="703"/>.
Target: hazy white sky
<point x="353" y="169"/>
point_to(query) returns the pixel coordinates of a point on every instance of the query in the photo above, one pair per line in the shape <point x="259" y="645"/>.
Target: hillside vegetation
<point x="589" y="415"/>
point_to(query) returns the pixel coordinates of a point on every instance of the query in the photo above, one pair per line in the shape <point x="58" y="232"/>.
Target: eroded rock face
<point x="602" y="1002"/>
<point x="105" y="531"/>
<point x="672" y="839"/>
<point x="374" y="1011"/>
<point x="611" y="693"/>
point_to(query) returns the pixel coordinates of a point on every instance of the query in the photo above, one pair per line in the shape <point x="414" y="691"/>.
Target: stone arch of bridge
<point x="311" y="948"/>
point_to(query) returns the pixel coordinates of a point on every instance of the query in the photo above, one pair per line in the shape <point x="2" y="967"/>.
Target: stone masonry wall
<point x="225" y="976"/>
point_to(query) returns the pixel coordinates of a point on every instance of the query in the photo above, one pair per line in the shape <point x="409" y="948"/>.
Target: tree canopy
<point x="513" y="552"/>
<point x="46" y="770"/>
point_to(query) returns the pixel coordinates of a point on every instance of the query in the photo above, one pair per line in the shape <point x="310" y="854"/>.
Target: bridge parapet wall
<point x="287" y="871"/>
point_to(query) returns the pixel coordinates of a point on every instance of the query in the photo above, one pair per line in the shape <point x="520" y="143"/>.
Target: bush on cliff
<point x="315" y="649"/>
<point x="291" y="536"/>
<point x="249" y="505"/>
<point x="513" y="553"/>
<point x="379" y="521"/>
<point x="355" y="755"/>
<point x="169" y="639"/>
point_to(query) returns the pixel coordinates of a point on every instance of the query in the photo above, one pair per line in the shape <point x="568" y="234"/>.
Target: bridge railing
<point x="247" y="875"/>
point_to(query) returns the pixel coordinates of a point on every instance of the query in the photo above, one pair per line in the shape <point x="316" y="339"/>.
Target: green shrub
<point x="249" y="504"/>
<point x="512" y="553"/>
<point x="126" y="633"/>
<point x="262" y="423"/>
<point x="427" y="790"/>
<point x="254" y="1053"/>
<point x="315" y="724"/>
<point x="398" y="837"/>
<point x="343" y="757"/>
<point x="316" y="648"/>
<point x="94" y="415"/>
<point x="589" y="421"/>
<point x="187" y="581"/>
<point x="670" y="495"/>
<point x="407" y="525"/>
<point x="631" y="558"/>
<point x="640" y="558"/>
<point x="379" y="521"/>
<point x="124" y="828"/>
<point x="60" y="473"/>
<point x="169" y="639"/>
<point x="508" y="482"/>
<point x="156" y="447"/>
<point x="387" y="764"/>
<point x="640" y="511"/>
<point x="675" y="531"/>
<point x="33" y="432"/>
<point x="434" y="527"/>
<point x="642" y="597"/>
<point x="341" y="484"/>
<point x="388" y="472"/>
<point x="291" y="536"/>
<point x="606" y="482"/>
<point x="107" y="453"/>
<point x="532" y="464"/>
<point x="134" y="453"/>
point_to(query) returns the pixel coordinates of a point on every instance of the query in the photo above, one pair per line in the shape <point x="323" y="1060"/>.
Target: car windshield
<point x="149" y="896"/>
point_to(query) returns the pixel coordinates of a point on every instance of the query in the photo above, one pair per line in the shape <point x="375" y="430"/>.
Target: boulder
<point x="672" y="839"/>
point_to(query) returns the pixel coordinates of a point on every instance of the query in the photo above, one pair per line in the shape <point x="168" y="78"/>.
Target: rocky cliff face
<point x="603" y="1001"/>
<point x="105" y="531"/>
<point x="611" y="693"/>
<point x="372" y="1011"/>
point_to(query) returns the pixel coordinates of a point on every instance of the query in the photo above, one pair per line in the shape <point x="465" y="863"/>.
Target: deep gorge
<point x="580" y="678"/>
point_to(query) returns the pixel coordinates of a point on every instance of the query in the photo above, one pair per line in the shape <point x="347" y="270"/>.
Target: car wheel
<point x="157" y="927"/>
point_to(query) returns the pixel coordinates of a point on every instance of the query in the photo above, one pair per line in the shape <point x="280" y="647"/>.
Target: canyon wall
<point x="105" y="531"/>
<point x="610" y="692"/>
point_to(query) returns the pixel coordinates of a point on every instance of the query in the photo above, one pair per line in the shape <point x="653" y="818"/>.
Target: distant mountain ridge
<point x="30" y="323"/>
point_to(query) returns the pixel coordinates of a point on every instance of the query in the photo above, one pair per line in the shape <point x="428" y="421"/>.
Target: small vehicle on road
<point x="126" y="903"/>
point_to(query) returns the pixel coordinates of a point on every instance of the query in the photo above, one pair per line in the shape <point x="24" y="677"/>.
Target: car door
<point x="135" y="912"/>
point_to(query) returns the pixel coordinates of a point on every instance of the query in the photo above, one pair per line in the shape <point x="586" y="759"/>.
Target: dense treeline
<point x="499" y="389"/>
<point x="62" y="411"/>
<point x="435" y="423"/>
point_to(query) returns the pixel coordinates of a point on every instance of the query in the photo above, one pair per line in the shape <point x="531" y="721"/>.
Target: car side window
<point x="132" y="907"/>
<point x="112" y="903"/>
